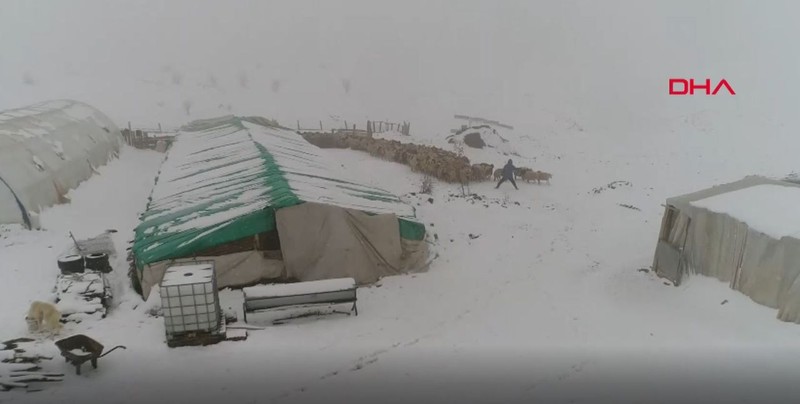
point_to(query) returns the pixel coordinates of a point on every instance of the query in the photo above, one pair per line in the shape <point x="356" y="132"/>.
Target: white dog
<point x="45" y="317"/>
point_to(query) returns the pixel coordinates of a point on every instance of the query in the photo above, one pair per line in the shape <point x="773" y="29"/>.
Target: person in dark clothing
<point x="508" y="174"/>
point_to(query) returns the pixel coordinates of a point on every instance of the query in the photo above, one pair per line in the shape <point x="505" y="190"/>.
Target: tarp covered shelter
<point x="746" y="233"/>
<point x="265" y="204"/>
<point x="46" y="150"/>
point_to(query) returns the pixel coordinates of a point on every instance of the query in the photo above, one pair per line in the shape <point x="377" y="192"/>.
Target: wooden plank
<point x="342" y="296"/>
<point x="244" y="327"/>
<point x="24" y="374"/>
<point x="299" y="288"/>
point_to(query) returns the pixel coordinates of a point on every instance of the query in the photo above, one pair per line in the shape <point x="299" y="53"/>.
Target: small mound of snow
<point x="482" y="136"/>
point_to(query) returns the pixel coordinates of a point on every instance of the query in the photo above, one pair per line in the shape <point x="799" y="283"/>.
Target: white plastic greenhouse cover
<point x="46" y="150"/>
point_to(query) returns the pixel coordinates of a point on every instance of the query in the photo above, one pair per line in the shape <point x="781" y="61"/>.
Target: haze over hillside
<point x="603" y="64"/>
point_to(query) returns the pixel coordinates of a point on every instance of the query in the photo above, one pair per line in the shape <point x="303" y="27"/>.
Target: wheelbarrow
<point x="79" y="348"/>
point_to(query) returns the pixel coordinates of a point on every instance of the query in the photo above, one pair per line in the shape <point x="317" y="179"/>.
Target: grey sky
<point x="606" y="62"/>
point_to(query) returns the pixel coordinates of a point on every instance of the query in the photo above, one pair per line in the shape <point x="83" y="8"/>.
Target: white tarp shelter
<point x="46" y="150"/>
<point x="746" y="233"/>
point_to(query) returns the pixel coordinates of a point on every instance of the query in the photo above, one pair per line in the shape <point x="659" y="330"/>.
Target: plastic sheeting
<point x="327" y="242"/>
<point x="224" y="178"/>
<point x="719" y="245"/>
<point x="229" y="178"/>
<point x="46" y="150"/>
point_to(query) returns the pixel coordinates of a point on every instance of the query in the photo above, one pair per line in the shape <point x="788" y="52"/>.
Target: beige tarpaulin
<point x="677" y="234"/>
<point x="318" y="242"/>
<point x="715" y="245"/>
<point x="789" y="294"/>
<point x="669" y="259"/>
<point x="321" y="242"/>
<point x="762" y="267"/>
<point x="236" y="269"/>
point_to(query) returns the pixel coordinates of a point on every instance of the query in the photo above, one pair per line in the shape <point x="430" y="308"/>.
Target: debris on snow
<point x="629" y="206"/>
<point x="611" y="185"/>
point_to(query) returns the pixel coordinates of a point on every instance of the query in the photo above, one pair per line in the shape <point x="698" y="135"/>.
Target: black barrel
<point x="98" y="262"/>
<point x="70" y="264"/>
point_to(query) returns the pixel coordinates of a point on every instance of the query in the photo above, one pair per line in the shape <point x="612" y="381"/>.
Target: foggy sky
<point x="604" y="62"/>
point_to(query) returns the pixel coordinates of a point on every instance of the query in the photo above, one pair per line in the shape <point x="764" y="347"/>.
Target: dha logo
<point x="688" y="87"/>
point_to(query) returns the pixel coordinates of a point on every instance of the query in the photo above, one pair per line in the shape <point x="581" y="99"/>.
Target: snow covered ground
<point x="546" y="299"/>
<point x="536" y="294"/>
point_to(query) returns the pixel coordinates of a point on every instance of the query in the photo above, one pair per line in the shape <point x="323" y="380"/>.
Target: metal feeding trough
<point x="79" y="349"/>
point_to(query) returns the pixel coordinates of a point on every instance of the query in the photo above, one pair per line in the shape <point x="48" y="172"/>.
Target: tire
<point x="98" y="262"/>
<point x="71" y="264"/>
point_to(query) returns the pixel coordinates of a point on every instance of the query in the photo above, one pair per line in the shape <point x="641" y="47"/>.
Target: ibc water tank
<point x="189" y="299"/>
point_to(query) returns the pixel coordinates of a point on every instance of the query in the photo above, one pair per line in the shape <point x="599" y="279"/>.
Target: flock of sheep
<point x="527" y="175"/>
<point x="433" y="161"/>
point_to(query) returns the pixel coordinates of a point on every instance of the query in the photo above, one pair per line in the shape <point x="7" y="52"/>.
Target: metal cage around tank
<point x="190" y="300"/>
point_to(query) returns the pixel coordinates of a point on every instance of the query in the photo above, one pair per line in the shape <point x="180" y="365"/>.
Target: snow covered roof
<point x="682" y="202"/>
<point x="46" y="150"/>
<point x="35" y="120"/>
<point x="224" y="178"/>
<point x="768" y="208"/>
<point x="187" y="275"/>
